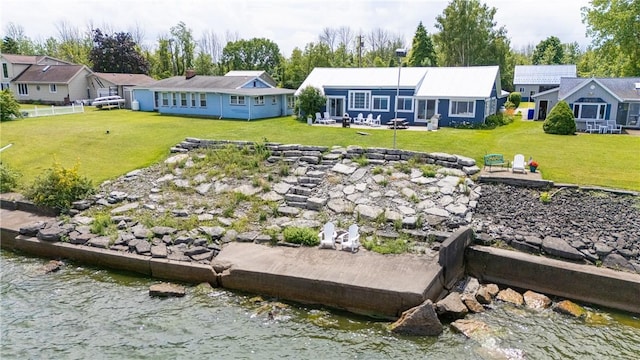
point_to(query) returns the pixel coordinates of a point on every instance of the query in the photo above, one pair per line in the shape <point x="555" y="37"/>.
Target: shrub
<point x="9" y="107"/>
<point x="310" y="101"/>
<point x="8" y="178"/>
<point x="495" y="120"/>
<point x="509" y="105"/>
<point x="560" y="120"/>
<point x="301" y="235"/>
<point x="515" y="97"/>
<point x="59" y="187"/>
<point x="361" y="160"/>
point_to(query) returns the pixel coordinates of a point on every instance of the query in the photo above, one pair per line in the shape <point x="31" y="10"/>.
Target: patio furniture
<point x="328" y="236"/>
<point x="352" y="241"/>
<point x="376" y="121"/>
<point x="518" y="164"/>
<point x="613" y="127"/>
<point x="359" y="120"/>
<point x="327" y="118"/>
<point x="491" y="160"/>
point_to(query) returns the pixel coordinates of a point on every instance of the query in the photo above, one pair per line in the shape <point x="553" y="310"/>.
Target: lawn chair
<point x="359" y="120"/>
<point x="318" y="119"/>
<point x="327" y="118"/>
<point x="518" y="164"/>
<point x="369" y="120"/>
<point x="377" y="121"/>
<point x="328" y="236"/>
<point x="352" y="241"/>
<point x="613" y="127"/>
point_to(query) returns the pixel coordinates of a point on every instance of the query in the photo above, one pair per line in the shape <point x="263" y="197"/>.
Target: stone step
<point x="295" y="198"/>
<point x="298" y="190"/>
<point x="296" y="204"/>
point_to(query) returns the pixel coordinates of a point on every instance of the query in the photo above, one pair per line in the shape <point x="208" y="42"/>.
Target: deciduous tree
<point x="9" y="107"/>
<point x="310" y="101"/>
<point x="117" y="53"/>
<point x="253" y="54"/>
<point x="548" y="52"/>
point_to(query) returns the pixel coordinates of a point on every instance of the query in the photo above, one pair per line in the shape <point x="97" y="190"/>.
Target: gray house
<point x="596" y="100"/>
<point x="533" y="79"/>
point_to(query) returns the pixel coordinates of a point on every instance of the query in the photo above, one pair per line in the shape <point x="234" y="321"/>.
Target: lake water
<point x="82" y="312"/>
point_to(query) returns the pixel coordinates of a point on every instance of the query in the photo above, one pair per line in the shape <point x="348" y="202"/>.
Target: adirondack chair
<point x="369" y="120"/>
<point x="359" y="120"/>
<point x="328" y="236"/>
<point x="327" y="118"/>
<point x="318" y="118"/>
<point x="377" y="121"/>
<point x="518" y="164"/>
<point x="351" y="240"/>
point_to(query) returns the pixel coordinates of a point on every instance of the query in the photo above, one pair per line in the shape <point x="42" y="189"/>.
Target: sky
<point x="288" y="23"/>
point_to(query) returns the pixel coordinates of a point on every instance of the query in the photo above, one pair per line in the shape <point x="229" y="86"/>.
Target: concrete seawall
<point x="587" y="283"/>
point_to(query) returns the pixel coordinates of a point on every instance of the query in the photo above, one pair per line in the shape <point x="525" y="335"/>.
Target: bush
<point x="500" y="119"/>
<point x="560" y="120"/>
<point x="8" y="178"/>
<point x="9" y="107"/>
<point x="515" y="98"/>
<point x="310" y="101"/>
<point x="301" y="235"/>
<point x="59" y="187"/>
<point x="509" y="105"/>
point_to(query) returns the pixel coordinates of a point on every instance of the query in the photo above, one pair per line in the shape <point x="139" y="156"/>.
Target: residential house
<point x="105" y="84"/>
<point x="597" y="100"/>
<point x="529" y="80"/>
<point x="458" y="94"/>
<point x="52" y="84"/>
<point x="232" y="97"/>
<point x="13" y="65"/>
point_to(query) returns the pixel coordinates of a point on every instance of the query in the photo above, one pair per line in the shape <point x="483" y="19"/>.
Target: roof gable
<point x="542" y="74"/>
<point x="620" y="88"/>
<point x="266" y="78"/>
<point x="33" y="59"/>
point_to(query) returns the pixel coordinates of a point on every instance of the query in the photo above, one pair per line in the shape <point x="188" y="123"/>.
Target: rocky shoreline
<point x="180" y="210"/>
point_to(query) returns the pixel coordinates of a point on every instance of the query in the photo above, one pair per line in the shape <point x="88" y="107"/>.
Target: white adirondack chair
<point x="518" y="164"/>
<point x="369" y="119"/>
<point x="328" y="236"/>
<point x="359" y="120"/>
<point x="327" y="118"/>
<point x="352" y="241"/>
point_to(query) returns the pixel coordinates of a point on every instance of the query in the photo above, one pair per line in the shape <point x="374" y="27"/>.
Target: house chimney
<point x="189" y="73"/>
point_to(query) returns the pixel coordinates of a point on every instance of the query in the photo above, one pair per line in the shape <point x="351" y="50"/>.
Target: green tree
<point x="117" y="53"/>
<point x="294" y="70"/>
<point x="560" y="120"/>
<point x="9" y="46"/>
<point x="9" y="106"/>
<point x="614" y="26"/>
<point x="467" y="35"/>
<point x="182" y="48"/>
<point x="253" y="54"/>
<point x="204" y="64"/>
<point x="422" y="52"/>
<point x="548" y="52"/>
<point x="310" y="101"/>
<point x="515" y="97"/>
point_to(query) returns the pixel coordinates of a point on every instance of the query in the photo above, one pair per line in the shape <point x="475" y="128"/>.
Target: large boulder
<point x="452" y="307"/>
<point x="420" y="320"/>
<point x="570" y="308"/>
<point x="534" y="300"/>
<point x="511" y="296"/>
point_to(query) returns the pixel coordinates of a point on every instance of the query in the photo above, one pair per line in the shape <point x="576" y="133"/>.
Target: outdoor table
<point x="398" y="123"/>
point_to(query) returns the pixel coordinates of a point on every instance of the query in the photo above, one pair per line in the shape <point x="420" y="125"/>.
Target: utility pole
<point x="360" y="45"/>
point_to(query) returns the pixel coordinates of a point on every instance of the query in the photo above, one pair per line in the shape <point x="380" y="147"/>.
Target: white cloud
<point x="289" y="23"/>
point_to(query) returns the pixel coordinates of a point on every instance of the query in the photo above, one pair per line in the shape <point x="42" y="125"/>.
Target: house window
<point x="589" y="111"/>
<point x="5" y="86"/>
<point x="174" y="96"/>
<point x="194" y="99"/>
<point x="23" y="89"/>
<point x="165" y="99"/>
<point x="405" y="104"/>
<point x="521" y="90"/>
<point x="5" y="70"/>
<point x="183" y="99"/>
<point x="462" y="108"/>
<point x="203" y="100"/>
<point x="53" y="88"/>
<point x="238" y="100"/>
<point x="380" y="103"/>
<point x="290" y="102"/>
<point x="274" y="100"/>
<point x="359" y="100"/>
<point x="258" y="100"/>
<point x="426" y="110"/>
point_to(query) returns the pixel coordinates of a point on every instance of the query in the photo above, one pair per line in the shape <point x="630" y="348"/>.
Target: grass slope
<point x="138" y="139"/>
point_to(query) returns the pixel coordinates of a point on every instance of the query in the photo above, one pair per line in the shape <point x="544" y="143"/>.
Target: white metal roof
<point x="542" y="74"/>
<point x="453" y="82"/>
<point x="459" y="82"/>
<point x="245" y="73"/>
<point x="354" y="78"/>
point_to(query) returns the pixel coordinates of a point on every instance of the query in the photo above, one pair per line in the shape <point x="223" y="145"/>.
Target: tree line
<point x="466" y="35"/>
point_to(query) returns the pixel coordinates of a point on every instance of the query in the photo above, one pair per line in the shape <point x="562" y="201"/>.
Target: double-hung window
<point x="380" y="103"/>
<point x="462" y="108"/>
<point x="359" y="100"/>
<point x="53" y="88"/>
<point x="165" y="99"/>
<point x="404" y="104"/>
<point x="290" y="101"/>
<point x="258" y="100"/>
<point x="236" y="100"/>
<point x="274" y="100"/>
<point x="194" y="99"/>
<point x="183" y="99"/>
<point x="174" y="97"/>
<point x="203" y="100"/>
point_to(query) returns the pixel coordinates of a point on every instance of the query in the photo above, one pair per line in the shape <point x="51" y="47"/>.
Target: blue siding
<point x="446" y="120"/>
<point x="384" y="115"/>
<point x="145" y="98"/>
<point x="256" y="83"/>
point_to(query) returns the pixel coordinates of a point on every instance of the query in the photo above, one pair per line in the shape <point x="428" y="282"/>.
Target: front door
<point x="335" y="106"/>
<point x="542" y="111"/>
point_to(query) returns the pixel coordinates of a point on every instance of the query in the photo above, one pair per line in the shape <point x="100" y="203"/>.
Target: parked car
<point x="108" y="102"/>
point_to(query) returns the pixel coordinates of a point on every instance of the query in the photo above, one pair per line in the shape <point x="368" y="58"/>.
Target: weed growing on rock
<point x="361" y="160"/>
<point x="301" y="235"/>
<point x="377" y="170"/>
<point x="58" y="187"/>
<point x="545" y="197"/>
<point x="403" y="167"/>
<point x="429" y="170"/>
<point x="388" y="246"/>
<point x="102" y="225"/>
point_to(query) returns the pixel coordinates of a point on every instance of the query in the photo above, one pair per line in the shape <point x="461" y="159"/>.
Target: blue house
<point x="248" y="96"/>
<point x="458" y="94"/>
<point x="596" y="100"/>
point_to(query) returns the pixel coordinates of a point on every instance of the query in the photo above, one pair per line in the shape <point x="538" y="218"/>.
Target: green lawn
<point x="138" y="139"/>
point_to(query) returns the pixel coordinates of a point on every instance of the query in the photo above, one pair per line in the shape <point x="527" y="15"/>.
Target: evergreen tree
<point x="560" y="120"/>
<point x="422" y="51"/>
